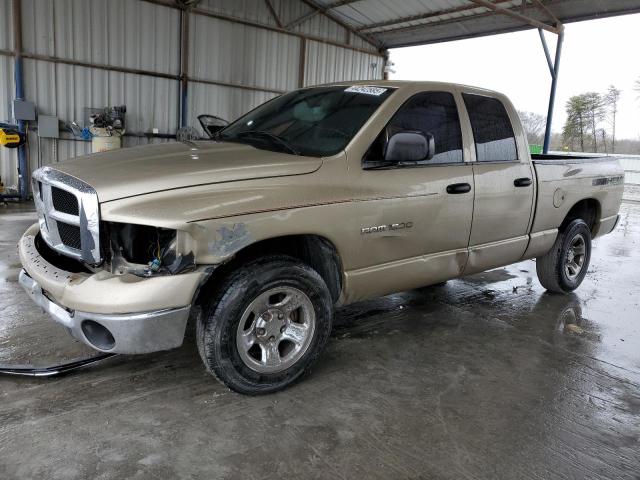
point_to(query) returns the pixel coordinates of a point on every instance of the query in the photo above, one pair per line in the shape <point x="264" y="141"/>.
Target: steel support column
<point x="184" y="67"/>
<point x="553" y="70"/>
<point x="23" y="161"/>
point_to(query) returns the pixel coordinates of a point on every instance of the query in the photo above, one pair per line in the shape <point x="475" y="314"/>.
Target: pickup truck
<point x="320" y="197"/>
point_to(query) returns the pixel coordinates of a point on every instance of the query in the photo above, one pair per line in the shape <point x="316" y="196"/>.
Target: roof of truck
<point x="422" y="84"/>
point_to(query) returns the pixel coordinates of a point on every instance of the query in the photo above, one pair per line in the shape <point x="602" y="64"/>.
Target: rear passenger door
<point x="504" y="187"/>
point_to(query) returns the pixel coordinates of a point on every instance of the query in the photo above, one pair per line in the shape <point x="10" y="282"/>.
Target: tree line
<point x="590" y="125"/>
<point x="591" y="121"/>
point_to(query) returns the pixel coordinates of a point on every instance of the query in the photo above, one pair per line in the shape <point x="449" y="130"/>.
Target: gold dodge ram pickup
<point x="322" y="196"/>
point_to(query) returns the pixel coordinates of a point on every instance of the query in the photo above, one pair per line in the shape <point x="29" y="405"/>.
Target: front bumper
<point x="125" y="333"/>
<point x="110" y="313"/>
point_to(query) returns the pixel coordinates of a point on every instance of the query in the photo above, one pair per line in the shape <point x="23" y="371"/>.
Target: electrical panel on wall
<point x="24" y="110"/>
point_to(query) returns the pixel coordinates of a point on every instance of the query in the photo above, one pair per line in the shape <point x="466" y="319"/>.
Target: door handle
<point x="522" y="182"/>
<point x="456" y="188"/>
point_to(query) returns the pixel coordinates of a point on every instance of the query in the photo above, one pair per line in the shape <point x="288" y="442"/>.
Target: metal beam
<point x="422" y="16"/>
<point x="340" y="4"/>
<point x="302" y="62"/>
<point x="274" y="14"/>
<point x="349" y="28"/>
<point x="264" y="26"/>
<point x="515" y="15"/>
<point x="546" y="52"/>
<point x="184" y="67"/>
<point x="302" y="19"/>
<point x="136" y="71"/>
<point x="101" y="66"/>
<point x="552" y="95"/>
<point x="546" y="10"/>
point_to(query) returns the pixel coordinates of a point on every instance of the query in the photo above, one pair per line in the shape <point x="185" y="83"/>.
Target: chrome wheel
<point x="276" y="330"/>
<point x="574" y="260"/>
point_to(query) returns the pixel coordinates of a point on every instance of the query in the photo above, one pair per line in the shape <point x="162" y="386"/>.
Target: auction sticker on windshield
<point x="366" y="90"/>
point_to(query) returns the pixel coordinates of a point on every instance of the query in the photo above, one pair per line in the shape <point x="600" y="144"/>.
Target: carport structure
<point x="170" y="60"/>
<point x="419" y="22"/>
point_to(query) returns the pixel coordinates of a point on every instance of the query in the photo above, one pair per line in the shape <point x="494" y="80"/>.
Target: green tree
<point x="611" y="99"/>
<point x="575" y="128"/>
<point x="595" y="113"/>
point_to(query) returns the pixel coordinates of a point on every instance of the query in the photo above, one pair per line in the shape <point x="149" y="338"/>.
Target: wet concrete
<point x="484" y="377"/>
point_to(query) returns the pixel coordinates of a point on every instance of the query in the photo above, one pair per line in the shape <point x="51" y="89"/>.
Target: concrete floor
<point x="485" y="377"/>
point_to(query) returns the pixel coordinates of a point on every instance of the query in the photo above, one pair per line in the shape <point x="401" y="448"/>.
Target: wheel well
<point x="587" y="210"/>
<point x="314" y="250"/>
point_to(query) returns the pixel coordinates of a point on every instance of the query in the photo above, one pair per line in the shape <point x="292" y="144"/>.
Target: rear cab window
<point x="492" y="130"/>
<point x="430" y="113"/>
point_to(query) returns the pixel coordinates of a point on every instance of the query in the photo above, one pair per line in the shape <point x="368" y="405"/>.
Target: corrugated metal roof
<point x="411" y="22"/>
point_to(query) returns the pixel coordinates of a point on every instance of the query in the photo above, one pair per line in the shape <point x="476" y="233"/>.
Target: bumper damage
<point x="122" y="333"/>
<point x="110" y="313"/>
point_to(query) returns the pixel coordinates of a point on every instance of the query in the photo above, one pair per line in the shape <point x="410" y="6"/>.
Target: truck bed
<point x="565" y="180"/>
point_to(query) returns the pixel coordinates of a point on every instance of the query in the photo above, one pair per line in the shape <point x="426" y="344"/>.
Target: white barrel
<point x="104" y="144"/>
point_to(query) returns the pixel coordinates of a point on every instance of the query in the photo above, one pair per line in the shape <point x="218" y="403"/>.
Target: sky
<point x="595" y="54"/>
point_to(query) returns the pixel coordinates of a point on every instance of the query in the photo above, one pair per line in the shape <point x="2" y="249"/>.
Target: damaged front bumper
<point x="134" y="333"/>
<point x="110" y="313"/>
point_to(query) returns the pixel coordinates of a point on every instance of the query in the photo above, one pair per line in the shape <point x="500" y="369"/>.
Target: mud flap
<point x="52" y="370"/>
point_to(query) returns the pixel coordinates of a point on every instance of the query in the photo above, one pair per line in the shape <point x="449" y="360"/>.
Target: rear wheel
<point x="563" y="268"/>
<point x="267" y="324"/>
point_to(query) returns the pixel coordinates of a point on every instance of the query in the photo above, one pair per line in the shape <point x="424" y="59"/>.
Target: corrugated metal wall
<point x="140" y="35"/>
<point x="7" y="156"/>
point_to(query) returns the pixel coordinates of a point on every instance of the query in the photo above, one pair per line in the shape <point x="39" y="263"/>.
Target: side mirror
<point x="212" y="124"/>
<point x="410" y="147"/>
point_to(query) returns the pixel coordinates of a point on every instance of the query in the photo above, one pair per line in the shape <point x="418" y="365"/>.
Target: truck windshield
<point x="317" y="121"/>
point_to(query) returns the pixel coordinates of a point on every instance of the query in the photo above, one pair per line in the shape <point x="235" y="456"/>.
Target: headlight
<point x="145" y="251"/>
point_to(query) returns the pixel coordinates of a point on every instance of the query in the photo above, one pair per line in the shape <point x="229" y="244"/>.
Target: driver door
<point x="431" y="201"/>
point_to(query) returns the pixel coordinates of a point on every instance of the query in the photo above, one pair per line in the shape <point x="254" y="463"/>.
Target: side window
<point x="432" y="113"/>
<point x="492" y="130"/>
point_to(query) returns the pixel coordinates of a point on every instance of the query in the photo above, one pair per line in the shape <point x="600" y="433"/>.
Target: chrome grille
<point x="70" y="235"/>
<point x="64" y="201"/>
<point x="68" y="214"/>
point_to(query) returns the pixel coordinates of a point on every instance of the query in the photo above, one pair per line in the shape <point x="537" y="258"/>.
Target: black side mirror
<point x="410" y="147"/>
<point x="212" y="124"/>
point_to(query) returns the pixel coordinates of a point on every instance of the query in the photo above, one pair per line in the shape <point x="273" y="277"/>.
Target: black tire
<point x="217" y="327"/>
<point x="552" y="267"/>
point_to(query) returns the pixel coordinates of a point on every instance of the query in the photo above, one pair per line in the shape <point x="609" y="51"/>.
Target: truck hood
<point x="152" y="168"/>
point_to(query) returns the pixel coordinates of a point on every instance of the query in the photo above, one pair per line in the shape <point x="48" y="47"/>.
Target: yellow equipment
<point x="11" y="138"/>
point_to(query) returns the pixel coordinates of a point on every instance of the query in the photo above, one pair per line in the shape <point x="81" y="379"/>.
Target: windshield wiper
<point x="270" y="136"/>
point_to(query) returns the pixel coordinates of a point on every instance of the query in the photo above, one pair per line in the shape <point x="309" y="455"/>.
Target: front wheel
<point x="563" y="268"/>
<point x="268" y="323"/>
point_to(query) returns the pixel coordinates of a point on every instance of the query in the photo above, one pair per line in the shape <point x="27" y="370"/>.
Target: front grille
<point x="68" y="214"/>
<point x="69" y="235"/>
<point x="65" y="202"/>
